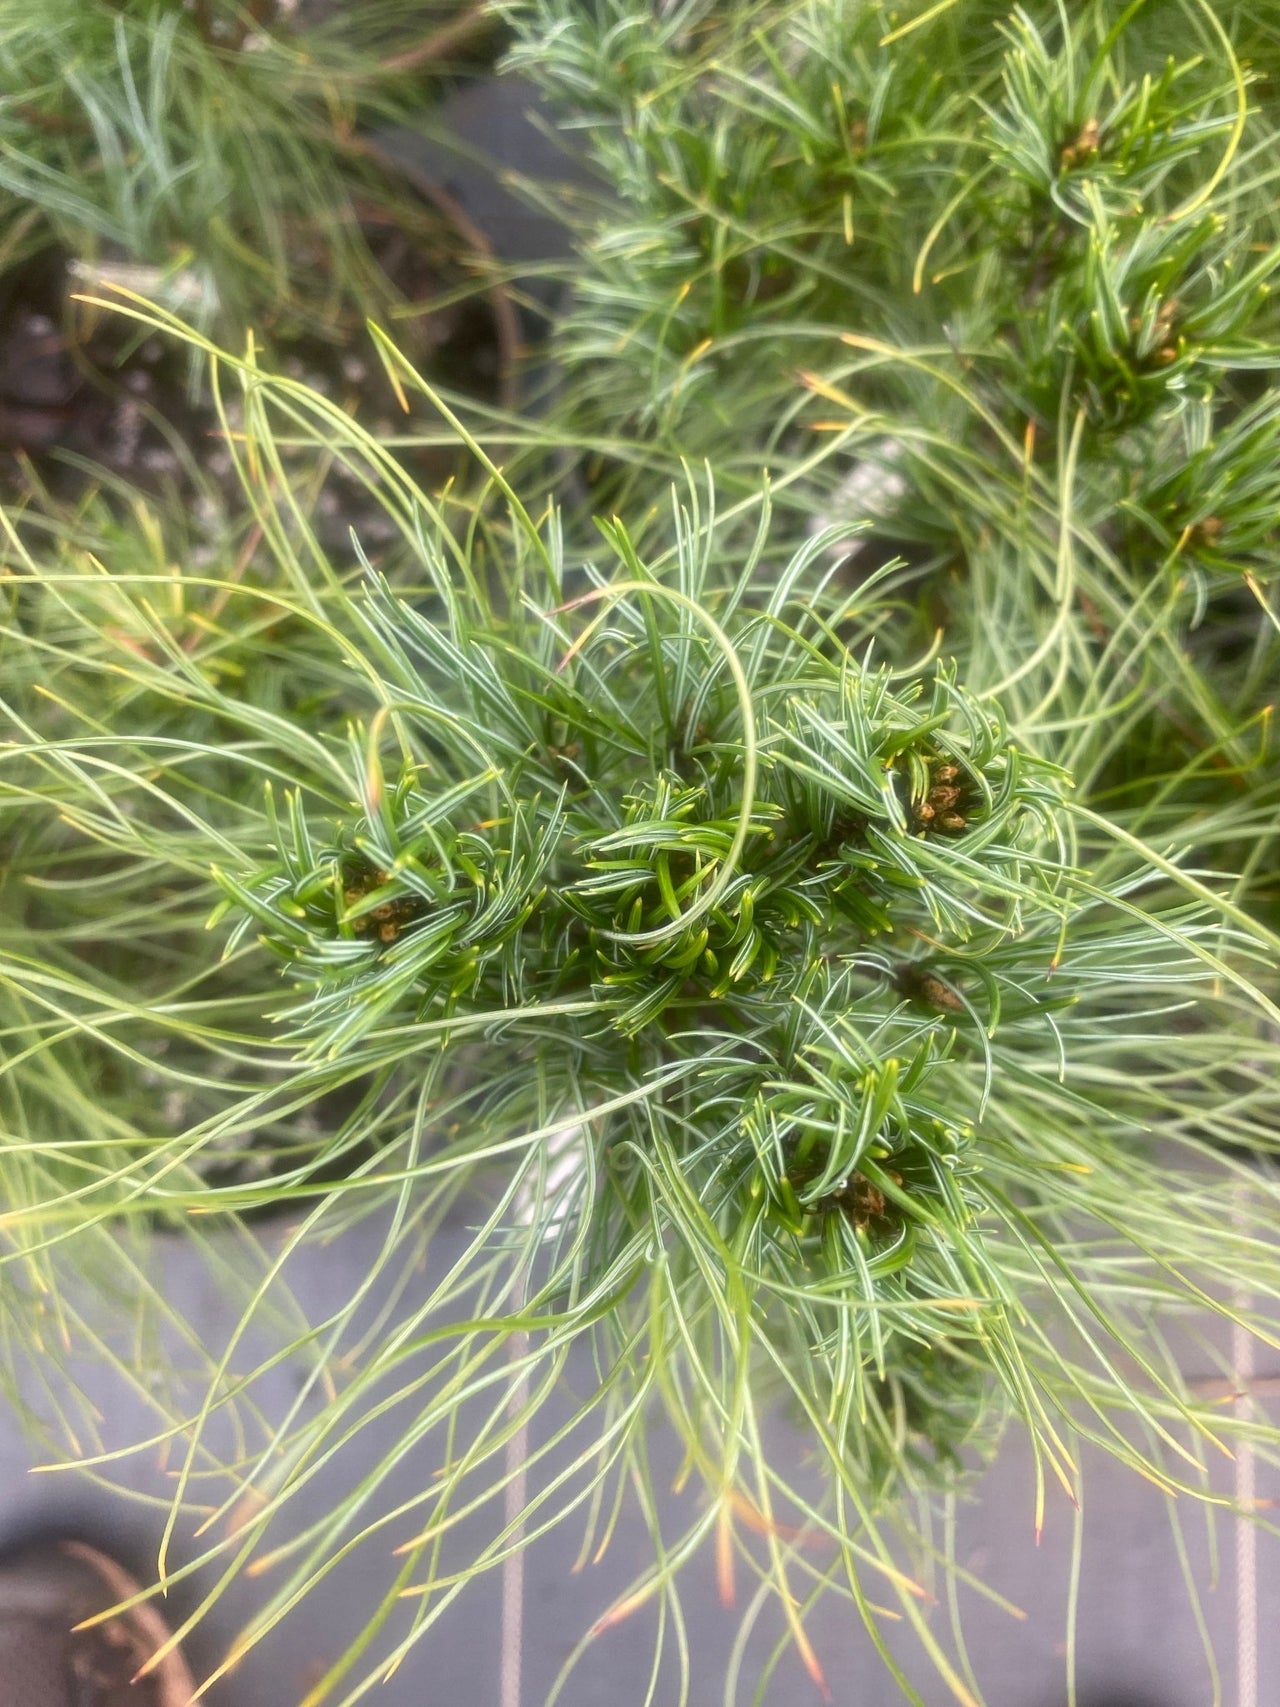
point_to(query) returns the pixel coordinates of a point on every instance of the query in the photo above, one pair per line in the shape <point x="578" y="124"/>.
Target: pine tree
<point x="811" y="874"/>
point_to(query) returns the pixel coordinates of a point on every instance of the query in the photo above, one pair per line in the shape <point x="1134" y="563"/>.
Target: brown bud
<point x="864" y="1199"/>
<point x="935" y="991"/>
<point x="1085" y="145"/>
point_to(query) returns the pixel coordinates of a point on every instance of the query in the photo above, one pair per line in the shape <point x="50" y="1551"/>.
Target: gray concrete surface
<point x="1135" y="1621"/>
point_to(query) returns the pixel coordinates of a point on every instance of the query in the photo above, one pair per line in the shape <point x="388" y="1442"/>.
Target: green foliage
<point x="621" y="838"/>
<point x="210" y="155"/>
<point x="800" y="1036"/>
<point x="997" y="284"/>
<point x="1213" y="501"/>
<point x="824" y="925"/>
<point x="1076" y="200"/>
